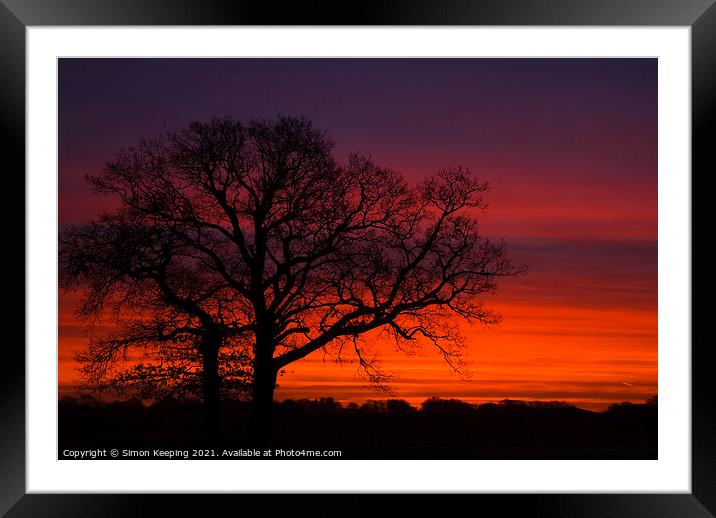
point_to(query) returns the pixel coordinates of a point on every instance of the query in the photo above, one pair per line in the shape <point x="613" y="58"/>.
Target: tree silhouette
<point x="252" y="233"/>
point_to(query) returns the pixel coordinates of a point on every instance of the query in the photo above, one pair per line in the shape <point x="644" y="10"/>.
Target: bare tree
<point x="270" y="240"/>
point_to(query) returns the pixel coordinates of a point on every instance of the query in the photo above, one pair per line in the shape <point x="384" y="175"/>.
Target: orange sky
<point x="590" y="354"/>
<point x="568" y="146"/>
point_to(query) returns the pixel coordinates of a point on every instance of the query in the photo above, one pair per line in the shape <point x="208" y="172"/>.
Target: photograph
<point x="348" y="258"/>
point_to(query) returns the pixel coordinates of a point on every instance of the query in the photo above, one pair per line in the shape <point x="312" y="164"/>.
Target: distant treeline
<point x="431" y="406"/>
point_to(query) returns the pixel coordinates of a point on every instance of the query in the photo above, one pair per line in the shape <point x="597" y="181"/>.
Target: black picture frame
<point x="16" y="15"/>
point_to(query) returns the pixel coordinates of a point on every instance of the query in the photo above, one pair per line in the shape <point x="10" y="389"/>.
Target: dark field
<point x="440" y="429"/>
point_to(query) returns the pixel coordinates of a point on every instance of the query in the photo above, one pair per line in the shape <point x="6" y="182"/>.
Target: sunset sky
<point x="569" y="147"/>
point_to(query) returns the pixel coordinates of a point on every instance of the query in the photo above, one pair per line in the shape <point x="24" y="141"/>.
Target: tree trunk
<point x="260" y="419"/>
<point x="210" y="392"/>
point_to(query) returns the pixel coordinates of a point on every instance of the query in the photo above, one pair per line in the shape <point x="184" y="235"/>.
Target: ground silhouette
<point x="388" y="429"/>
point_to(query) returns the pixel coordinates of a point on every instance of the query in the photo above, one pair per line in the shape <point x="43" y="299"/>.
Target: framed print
<point x="416" y="249"/>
